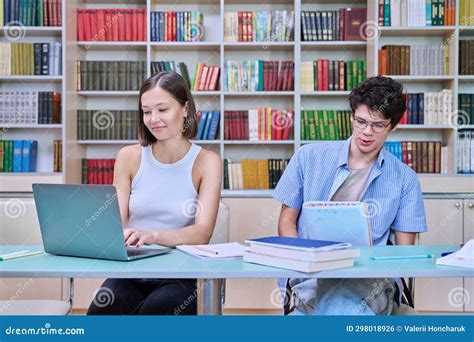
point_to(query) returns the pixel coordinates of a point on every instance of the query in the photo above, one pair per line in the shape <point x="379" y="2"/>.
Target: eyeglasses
<point x="377" y="127"/>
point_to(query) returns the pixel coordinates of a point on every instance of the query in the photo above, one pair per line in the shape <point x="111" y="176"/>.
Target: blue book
<point x="299" y="244"/>
<point x="214" y="125"/>
<point x="33" y="155"/>
<point x="202" y="123"/>
<point x="205" y="134"/>
<point x="17" y="154"/>
<point x="25" y="161"/>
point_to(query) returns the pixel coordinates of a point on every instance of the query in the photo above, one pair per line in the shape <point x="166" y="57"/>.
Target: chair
<point x="20" y="227"/>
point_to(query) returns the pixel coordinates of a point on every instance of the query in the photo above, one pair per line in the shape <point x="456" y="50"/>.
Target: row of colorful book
<point x="111" y="24"/>
<point x="417" y="60"/>
<point x="208" y="124"/>
<point x="466" y="109"/>
<point x="179" y="67"/>
<point x="430" y="108"/>
<point x="31" y="12"/>
<point x="466" y="13"/>
<point x="343" y="24"/>
<point x="466" y="55"/>
<point x="259" y="75"/>
<point x="30" y="107"/>
<point x="258" y="124"/>
<point x="110" y="75"/>
<point x="421" y="156"/>
<point x="259" y="26"/>
<point x="183" y="26"/>
<point x="31" y="58"/>
<point x="97" y="171"/>
<point x="466" y="151"/>
<point x="206" y="77"/>
<point x="325" y="124"/>
<point x="18" y="155"/>
<point x="417" y="13"/>
<point x="331" y="75"/>
<point x="253" y="173"/>
<point x="107" y="125"/>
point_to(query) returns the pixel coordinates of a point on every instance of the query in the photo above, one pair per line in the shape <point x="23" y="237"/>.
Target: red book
<point x="93" y="22"/>
<point x="87" y="25"/>
<point x="265" y="75"/>
<point x="320" y="74"/>
<point x="207" y="81"/>
<point x="281" y="68"/>
<point x="143" y="27"/>
<point x="240" y="26"/>
<point x="276" y="124"/>
<point x="115" y="24"/>
<point x="289" y="76"/>
<point x="404" y="152"/>
<point x="275" y="74"/>
<point x="214" y="78"/>
<point x="128" y="24"/>
<point x="325" y="74"/>
<point x="246" y="125"/>
<point x="231" y="121"/>
<point x="80" y="25"/>
<point x="108" y="25"/>
<point x="134" y="14"/>
<point x="101" y="25"/>
<point x="288" y="125"/>
<point x="168" y="23"/>
<point x="121" y="24"/>
<point x="226" y="125"/>
<point x="52" y="18"/>
<point x="243" y="118"/>
<point x="111" y="171"/>
<point x="173" y="26"/>
<point x="45" y="13"/>
<point x="292" y="76"/>
<point x="342" y="18"/>
<point x="59" y="21"/>
<point x="202" y="79"/>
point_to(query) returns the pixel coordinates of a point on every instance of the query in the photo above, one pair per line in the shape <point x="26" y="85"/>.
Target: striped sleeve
<point x="411" y="216"/>
<point x="289" y="190"/>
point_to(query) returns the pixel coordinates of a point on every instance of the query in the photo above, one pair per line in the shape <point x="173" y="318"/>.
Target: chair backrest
<point x="221" y="229"/>
<point x="19" y="221"/>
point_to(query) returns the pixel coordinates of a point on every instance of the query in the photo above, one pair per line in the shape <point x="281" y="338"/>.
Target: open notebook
<point x="219" y="251"/>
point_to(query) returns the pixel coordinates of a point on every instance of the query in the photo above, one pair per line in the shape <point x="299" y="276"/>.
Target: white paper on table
<point x="226" y="251"/>
<point x="462" y="258"/>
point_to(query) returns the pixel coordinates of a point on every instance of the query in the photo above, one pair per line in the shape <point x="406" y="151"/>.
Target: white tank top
<point x="163" y="195"/>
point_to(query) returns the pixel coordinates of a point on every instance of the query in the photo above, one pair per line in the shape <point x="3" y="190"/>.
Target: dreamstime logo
<point x="103" y="297"/>
<point x="14" y="31"/>
<point x="278" y="299"/>
<point x="369" y="31"/>
<point x="197" y="32"/>
<point x="192" y="207"/>
<point x="458" y="119"/>
<point x="281" y="122"/>
<point x="458" y="297"/>
<point x="14" y="208"/>
<point x="103" y="119"/>
<point x="373" y="208"/>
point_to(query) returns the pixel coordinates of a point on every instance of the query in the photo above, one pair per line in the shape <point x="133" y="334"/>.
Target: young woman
<point x="168" y="190"/>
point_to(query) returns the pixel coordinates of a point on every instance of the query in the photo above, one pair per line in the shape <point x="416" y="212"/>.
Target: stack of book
<point x="259" y="75"/>
<point x="181" y="68"/>
<point x="430" y="108"/>
<point x="324" y="75"/>
<point x="418" y="60"/>
<point x="466" y="107"/>
<point x="260" y="26"/>
<point x="325" y="124"/>
<point x="466" y="151"/>
<point x="417" y="13"/>
<point x="98" y="171"/>
<point x="18" y="155"/>
<point x="258" y="124"/>
<point x="344" y="24"/>
<point x="106" y="124"/>
<point x="110" y="75"/>
<point x="208" y="124"/>
<point x="466" y="13"/>
<point x="421" y="156"/>
<point x="206" y="77"/>
<point x="466" y="55"/>
<point x="177" y="26"/>
<point x="30" y="58"/>
<point x="303" y="255"/>
<point x="58" y="156"/>
<point x="253" y="174"/>
<point x="31" y="13"/>
<point x="30" y="107"/>
<point x="111" y="24"/>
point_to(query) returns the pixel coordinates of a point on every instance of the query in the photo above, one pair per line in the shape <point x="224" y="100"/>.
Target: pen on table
<point x="394" y="257"/>
<point x="206" y="250"/>
<point x="18" y="254"/>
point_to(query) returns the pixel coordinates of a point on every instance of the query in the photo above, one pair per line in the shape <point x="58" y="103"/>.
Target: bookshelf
<point x="214" y="50"/>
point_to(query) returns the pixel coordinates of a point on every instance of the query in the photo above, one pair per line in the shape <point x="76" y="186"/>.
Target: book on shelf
<point x="417" y="13"/>
<point x="466" y="56"/>
<point x="181" y="26"/>
<point x="466" y="109"/>
<point x="18" y="155"/>
<point x="466" y="13"/>
<point x="416" y="60"/>
<point x="421" y="156"/>
<point x="58" y="156"/>
<point x="98" y="171"/>
<point x="429" y="108"/>
<point x="31" y="58"/>
<point x="206" y="77"/>
<point x="465" y="151"/>
<point x="181" y="68"/>
<point x="342" y="24"/>
<point x="258" y="75"/>
<point x="253" y="173"/>
<point x="110" y="75"/>
<point x="30" y="107"/>
<point x="208" y="124"/>
<point x="107" y="124"/>
<point x="111" y="24"/>
<point x="31" y="12"/>
<point x="262" y="124"/>
<point x="259" y="26"/>
<point x="332" y="75"/>
<point x="325" y="124"/>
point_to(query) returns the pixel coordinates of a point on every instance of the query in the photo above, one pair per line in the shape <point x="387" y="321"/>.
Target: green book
<point x="320" y="115"/>
<point x="348" y="75"/>
<point x="337" y="124"/>
<point x="304" y="119"/>
<point x="312" y="127"/>
<point x="331" y="124"/>
<point x="355" y="74"/>
<point x="2" y="156"/>
<point x="226" y="174"/>
<point x="315" y="75"/>
<point x="40" y="15"/>
<point x="8" y="147"/>
<point x="326" y="125"/>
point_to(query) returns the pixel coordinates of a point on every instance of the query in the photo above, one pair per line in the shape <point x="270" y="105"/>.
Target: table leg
<point x="210" y="296"/>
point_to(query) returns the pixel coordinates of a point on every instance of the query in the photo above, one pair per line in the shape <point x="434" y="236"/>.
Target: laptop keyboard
<point x="135" y="252"/>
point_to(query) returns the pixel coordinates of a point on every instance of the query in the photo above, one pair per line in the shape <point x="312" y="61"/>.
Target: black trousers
<point x="145" y="297"/>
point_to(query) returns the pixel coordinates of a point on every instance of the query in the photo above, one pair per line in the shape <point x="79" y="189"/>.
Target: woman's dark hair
<point x="381" y="94"/>
<point x="174" y="84"/>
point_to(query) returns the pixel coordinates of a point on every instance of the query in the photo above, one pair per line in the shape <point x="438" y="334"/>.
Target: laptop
<point x="84" y="221"/>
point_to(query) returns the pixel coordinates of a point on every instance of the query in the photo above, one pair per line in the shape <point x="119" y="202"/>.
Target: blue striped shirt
<point x="393" y="192"/>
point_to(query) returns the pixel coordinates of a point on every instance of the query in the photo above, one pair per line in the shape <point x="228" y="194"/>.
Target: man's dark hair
<point x="381" y="94"/>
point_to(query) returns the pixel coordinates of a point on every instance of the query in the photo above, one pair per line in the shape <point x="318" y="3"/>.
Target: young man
<point x="358" y="169"/>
